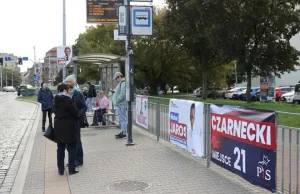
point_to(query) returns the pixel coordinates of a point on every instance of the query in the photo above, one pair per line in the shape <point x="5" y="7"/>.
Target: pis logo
<point x="262" y="170"/>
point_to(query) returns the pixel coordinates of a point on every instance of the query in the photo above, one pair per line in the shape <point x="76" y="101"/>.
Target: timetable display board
<point x="103" y="11"/>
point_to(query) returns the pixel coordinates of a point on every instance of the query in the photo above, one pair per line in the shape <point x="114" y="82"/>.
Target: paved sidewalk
<point x="112" y="167"/>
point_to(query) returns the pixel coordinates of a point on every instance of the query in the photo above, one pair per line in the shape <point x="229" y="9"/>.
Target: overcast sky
<point x="28" y="23"/>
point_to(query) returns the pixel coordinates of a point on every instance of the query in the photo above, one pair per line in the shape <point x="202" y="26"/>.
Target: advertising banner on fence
<point x="141" y="111"/>
<point x="244" y="142"/>
<point x="186" y="125"/>
<point x="64" y="55"/>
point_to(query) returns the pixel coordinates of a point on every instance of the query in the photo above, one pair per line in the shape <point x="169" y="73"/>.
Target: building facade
<point x="12" y="64"/>
<point x="49" y="68"/>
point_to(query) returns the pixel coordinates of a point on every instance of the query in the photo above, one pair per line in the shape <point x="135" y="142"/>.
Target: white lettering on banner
<point x="174" y="117"/>
<point x="178" y="129"/>
<point x="221" y="157"/>
<point x="242" y="129"/>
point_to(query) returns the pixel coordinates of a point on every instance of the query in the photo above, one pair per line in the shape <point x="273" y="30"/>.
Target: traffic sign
<point x="36" y="78"/>
<point x="25" y="58"/>
<point x="7" y="58"/>
<point x="141" y="21"/>
<point x="122" y="20"/>
<point x="118" y="37"/>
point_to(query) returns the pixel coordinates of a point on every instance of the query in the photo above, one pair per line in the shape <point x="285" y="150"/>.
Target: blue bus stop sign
<point x="7" y="58"/>
<point x="25" y="58"/>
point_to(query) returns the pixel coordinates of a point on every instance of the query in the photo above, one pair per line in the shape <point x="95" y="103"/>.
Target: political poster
<point x="141" y="111"/>
<point x="243" y="141"/>
<point x="64" y="55"/>
<point x="186" y="125"/>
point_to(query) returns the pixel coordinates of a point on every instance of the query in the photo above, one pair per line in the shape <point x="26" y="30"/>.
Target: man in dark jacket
<point x="79" y="101"/>
<point x="91" y="94"/>
<point x="45" y="97"/>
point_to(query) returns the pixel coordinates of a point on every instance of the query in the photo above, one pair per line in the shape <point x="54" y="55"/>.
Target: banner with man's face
<point x="64" y="54"/>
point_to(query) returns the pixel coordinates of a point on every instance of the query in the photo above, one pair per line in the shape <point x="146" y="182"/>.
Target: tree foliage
<point x="257" y="33"/>
<point x="13" y="77"/>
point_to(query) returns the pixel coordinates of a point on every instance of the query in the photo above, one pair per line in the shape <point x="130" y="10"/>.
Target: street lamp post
<point x="64" y="34"/>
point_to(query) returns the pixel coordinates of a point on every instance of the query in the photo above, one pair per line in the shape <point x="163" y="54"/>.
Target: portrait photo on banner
<point x="186" y="125"/>
<point x="64" y="55"/>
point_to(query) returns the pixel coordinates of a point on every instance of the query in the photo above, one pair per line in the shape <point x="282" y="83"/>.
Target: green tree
<point x="192" y="25"/>
<point x="158" y="59"/>
<point x="13" y="77"/>
<point x="257" y="33"/>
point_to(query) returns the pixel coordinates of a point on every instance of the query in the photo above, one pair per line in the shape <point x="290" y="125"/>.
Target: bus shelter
<point x="109" y="64"/>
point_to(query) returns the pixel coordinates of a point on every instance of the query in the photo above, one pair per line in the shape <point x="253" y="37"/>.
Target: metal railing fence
<point x="287" y="172"/>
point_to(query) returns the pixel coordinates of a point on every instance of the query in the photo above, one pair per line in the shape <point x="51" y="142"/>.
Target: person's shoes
<point x="120" y="135"/>
<point x="103" y="123"/>
<point x="73" y="172"/>
<point x="76" y="166"/>
<point x="43" y="129"/>
<point x="94" y="124"/>
<point x="60" y="172"/>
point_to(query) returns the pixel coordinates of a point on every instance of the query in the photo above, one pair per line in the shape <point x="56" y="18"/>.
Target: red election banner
<point x="244" y="142"/>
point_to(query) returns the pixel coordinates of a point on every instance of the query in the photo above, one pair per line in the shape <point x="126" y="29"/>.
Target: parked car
<point x="281" y="90"/>
<point x="288" y="97"/>
<point x="297" y="93"/>
<point x="253" y="92"/>
<point x="211" y="92"/>
<point x="257" y="96"/>
<point x="229" y="93"/>
<point x="8" y="89"/>
<point x="23" y="87"/>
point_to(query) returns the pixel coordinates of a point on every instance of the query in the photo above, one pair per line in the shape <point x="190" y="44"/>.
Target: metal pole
<point x="1" y="78"/>
<point x="49" y="68"/>
<point x="6" y="80"/>
<point x="129" y="53"/>
<point x="64" y="34"/>
<point x="235" y="74"/>
<point x="34" y="64"/>
<point x="12" y="78"/>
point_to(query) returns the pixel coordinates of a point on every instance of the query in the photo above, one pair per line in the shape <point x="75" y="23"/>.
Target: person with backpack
<point x="45" y="97"/>
<point x="120" y="103"/>
<point x="91" y="94"/>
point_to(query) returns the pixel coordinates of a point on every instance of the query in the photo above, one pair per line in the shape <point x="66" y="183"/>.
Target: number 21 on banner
<point x="237" y="151"/>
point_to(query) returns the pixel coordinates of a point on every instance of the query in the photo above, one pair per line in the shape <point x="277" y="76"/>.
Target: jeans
<point x="79" y="150"/>
<point x="71" y="147"/>
<point x="122" y="114"/>
<point x="49" y="111"/>
<point x="89" y="104"/>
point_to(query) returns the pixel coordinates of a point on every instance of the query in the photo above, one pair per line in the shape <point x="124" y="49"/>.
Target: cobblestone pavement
<point x="15" y="125"/>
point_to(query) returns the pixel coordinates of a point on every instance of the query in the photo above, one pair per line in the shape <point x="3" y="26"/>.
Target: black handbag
<point x="49" y="133"/>
<point x="83" y="121"/>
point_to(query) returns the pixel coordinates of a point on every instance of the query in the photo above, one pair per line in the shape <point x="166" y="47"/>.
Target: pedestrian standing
<point x="80" y="104"/>
<point x="65" y="134"/>
<point x="45" y="97"/>
<point x="91" y="94"/>
<point x="119" y="101"/>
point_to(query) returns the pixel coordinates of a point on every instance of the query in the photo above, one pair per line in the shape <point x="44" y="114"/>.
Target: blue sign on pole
<point x="7" y="58"/>
<point x="36" y="78"/>
<point x="25" y="58"/>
